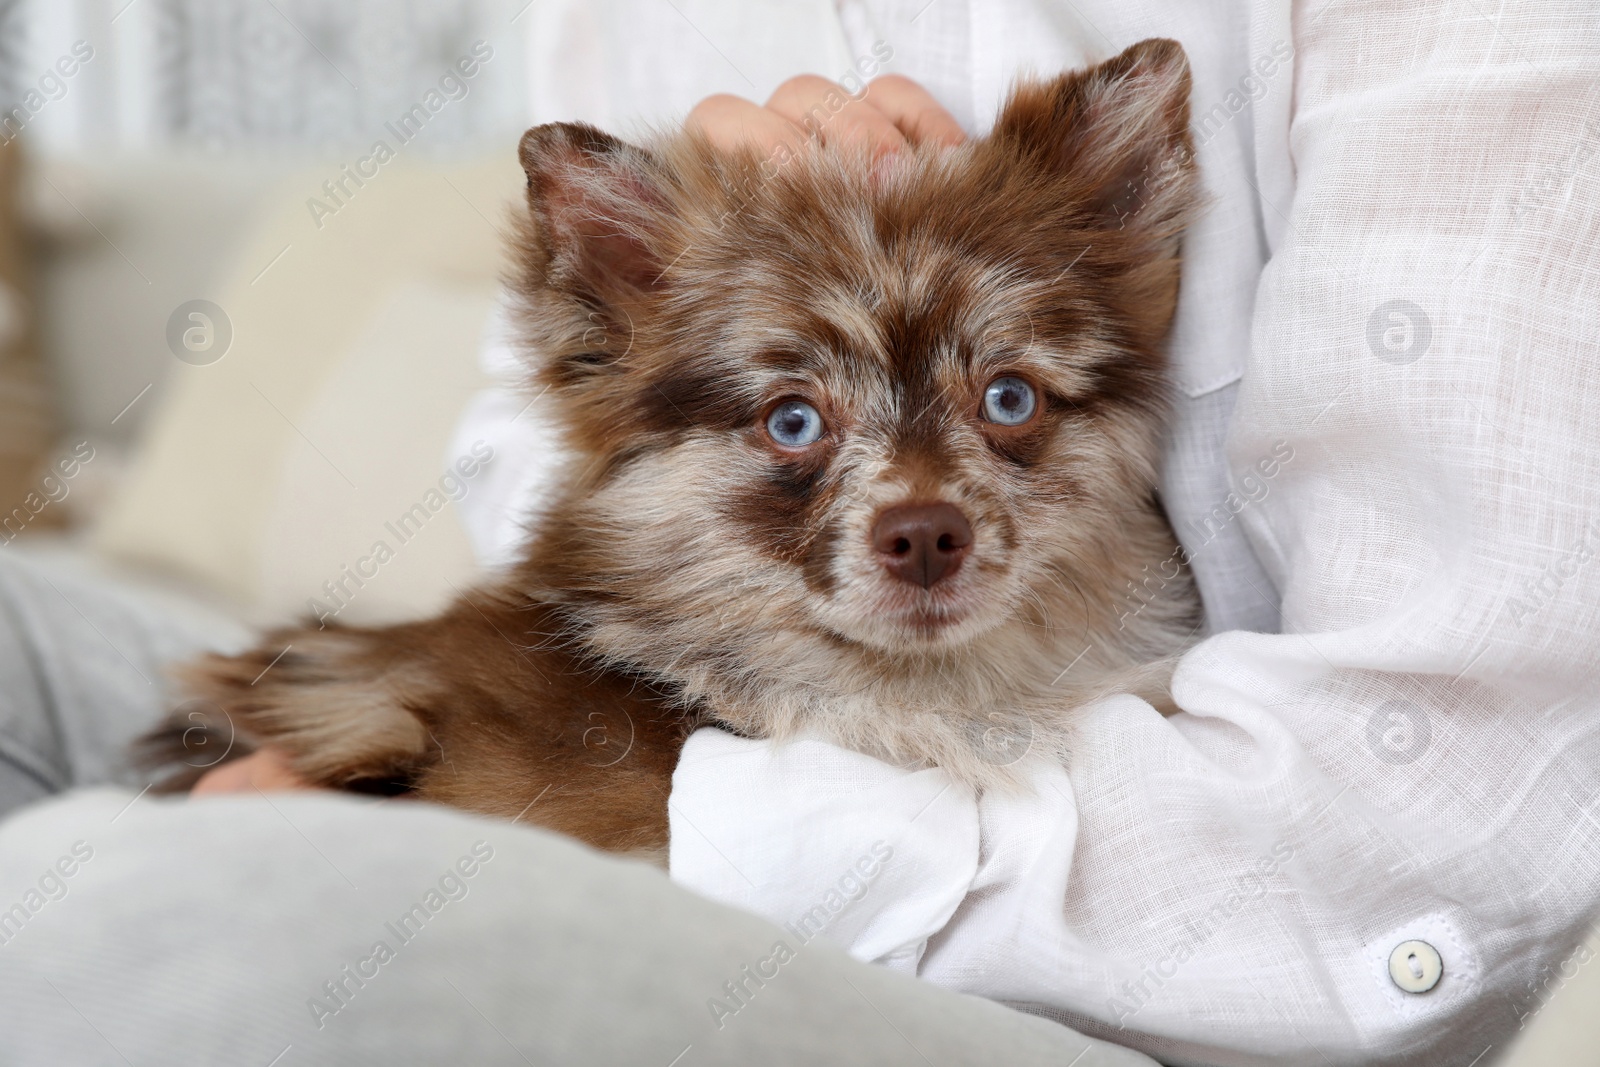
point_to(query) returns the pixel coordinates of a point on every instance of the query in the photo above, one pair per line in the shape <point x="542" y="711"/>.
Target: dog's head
<point x="885" y="407"/>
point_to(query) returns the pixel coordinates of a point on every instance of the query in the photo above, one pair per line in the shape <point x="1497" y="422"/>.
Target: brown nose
<point x="921" y="543"/>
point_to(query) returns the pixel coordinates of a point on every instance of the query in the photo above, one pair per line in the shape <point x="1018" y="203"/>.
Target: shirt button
<point x="1415" y="966"/>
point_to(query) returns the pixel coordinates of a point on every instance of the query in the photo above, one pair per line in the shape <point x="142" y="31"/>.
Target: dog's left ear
<point x="1118" y="135"/>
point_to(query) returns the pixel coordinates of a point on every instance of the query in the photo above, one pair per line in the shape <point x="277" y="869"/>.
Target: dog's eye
<point x="1008" y="401"/>
<point x="794" y="424"/>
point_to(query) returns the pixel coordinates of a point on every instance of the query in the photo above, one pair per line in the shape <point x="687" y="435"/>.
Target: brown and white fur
<point x="691" y="570"/>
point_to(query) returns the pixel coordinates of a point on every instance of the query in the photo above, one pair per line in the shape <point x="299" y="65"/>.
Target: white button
<point x="1415" y="966"/>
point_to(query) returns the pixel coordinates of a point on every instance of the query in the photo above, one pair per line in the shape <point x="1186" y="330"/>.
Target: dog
<point x="862" y="451"/>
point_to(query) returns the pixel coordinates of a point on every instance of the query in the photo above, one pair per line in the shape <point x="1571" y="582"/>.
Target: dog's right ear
<point x="598" y="213"/>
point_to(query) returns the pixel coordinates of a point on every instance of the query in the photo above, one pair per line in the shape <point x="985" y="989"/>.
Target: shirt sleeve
<point x="882" y="859"/>
<point x="1373" y="836"/>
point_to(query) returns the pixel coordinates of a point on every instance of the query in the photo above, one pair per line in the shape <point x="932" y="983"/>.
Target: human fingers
<point x="264" y="769"/>
<point x="824" y="109"/>
<point x="731" y="122"/>
<point x="914" y="112"/>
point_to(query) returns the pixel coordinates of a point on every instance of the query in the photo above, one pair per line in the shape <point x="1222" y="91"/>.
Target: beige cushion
<point x="383" y="419"/>
<point x="353" y="353"/>
<point x="26" y="422"/>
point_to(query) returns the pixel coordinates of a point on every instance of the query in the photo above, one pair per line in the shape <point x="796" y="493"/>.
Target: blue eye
<point x="794" y="424"/>
<point x="1008" y="402"/>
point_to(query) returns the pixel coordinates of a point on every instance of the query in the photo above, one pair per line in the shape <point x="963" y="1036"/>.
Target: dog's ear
<point x="597" y="210"/>
<point x="1118" y="134"/>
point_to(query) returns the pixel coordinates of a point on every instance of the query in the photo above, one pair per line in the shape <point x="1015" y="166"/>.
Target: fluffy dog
<point x="861" y="451"/>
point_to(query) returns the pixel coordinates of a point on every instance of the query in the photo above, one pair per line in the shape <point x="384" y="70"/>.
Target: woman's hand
<point x="261" y="770"/>
<point x="891" y="113"/>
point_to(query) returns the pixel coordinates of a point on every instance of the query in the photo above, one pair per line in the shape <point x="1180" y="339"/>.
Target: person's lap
<point x="236" y="930"/>
<point x="82" y="672"/>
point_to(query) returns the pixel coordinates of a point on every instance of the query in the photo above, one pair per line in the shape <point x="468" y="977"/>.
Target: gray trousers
<point x="288" y="929"/>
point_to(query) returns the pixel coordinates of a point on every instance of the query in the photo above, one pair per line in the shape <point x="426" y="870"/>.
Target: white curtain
<point x="257" y="75"/>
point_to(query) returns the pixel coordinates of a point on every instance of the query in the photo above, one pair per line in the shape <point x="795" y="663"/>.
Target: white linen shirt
<point x="1391" y="735"/>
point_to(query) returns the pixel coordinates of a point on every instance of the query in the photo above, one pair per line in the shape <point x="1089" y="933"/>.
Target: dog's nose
<point x="921" y="543"/>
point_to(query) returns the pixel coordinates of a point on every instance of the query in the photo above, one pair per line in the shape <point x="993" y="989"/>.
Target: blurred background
<point x="249" y="251"/>
<point x="159" y="153"/>
<point x="133" y="179"/>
